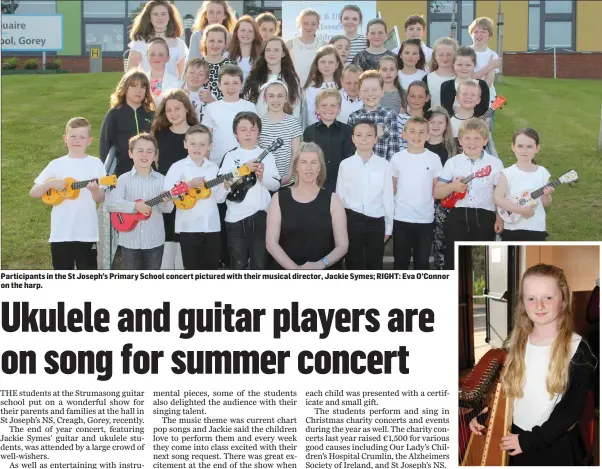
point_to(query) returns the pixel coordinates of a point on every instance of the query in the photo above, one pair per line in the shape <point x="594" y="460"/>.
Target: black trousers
<point x="412" y="240"/>
<point x="366" y="242"/>
<point x="467" y="224"/>
<point x="73" y="254"/>
<point x="246" y="242"/>
<point x="200" y="251"/>
<point x="523" y="235"/>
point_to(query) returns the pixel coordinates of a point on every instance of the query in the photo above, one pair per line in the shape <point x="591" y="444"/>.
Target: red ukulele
<point x="451" y="199"/>
<point x="127" y="221"/>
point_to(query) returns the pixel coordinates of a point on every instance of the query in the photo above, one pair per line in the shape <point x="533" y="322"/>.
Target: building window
<point x="551" y="24"/>
<point x="255" y="7"/>
<point x="30" y="7"/>
<point x="439" y="18"/>
<point x="110" y="36"/>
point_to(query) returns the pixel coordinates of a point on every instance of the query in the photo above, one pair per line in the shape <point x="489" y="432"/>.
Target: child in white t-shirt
<point x="488" y="61"/>
<point x="196" y="86"/>
<point x="73" y="222"/>
<point x="522" y="176"/>
<point x="246" y="219"/>
<point x="415" y="173"/>
<point x="411" y="62"/>
<point x="219" y="115"/>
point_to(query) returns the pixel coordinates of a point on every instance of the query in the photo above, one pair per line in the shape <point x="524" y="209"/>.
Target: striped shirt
<point x="287" y="129"/>
<point x="402" y="118"/>
<point x="132" y="186"/>
<point x="358" y="44"/>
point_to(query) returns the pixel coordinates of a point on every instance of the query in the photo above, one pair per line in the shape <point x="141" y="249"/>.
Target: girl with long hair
<point x="274" y="63"/>
<point x="441" y="68"/>
<point x="211" y="12"/>
<point x="132" y="112"/>
<point x="158" y="18"/>
<point x="304" y="47"/>
<point x="395" y="97"/>
<point x="245" y="45"/>
<point x="548" y="372"/>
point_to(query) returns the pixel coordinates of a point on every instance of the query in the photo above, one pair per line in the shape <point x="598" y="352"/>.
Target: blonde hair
<point x="307" y="12"/>
<point x="78" y="123"/>
<point x="201" y="21"/>
<point x="351" y="68"/>
<point x="470" y="84"/>
<point x="372" y="74"/>
<point x="482" y="22"/>
<point x="474" y="124"/>
<point x="310" y="147"/>
<point x="513" y="376"/>
<point x="442" y="41"/>
<point x="448" y="137"/>
<point x="329" y="93"/>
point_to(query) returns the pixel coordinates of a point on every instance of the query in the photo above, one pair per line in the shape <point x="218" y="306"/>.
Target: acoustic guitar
<point x="529" y="199"/>
<point x="127" y="221"/>
<point x="72" y="188"/>
<point x="451" y="200"/>
<point x="238" y="190"/>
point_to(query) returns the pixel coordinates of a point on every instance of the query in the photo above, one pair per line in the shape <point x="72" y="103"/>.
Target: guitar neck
<point x="230" y="175"/>
<point x="539" y="192"/>
<point x="467" y="179"/>
<point x="488" y="113"/>
<point x="157" y="200"/>
<point x="82" y="184"/>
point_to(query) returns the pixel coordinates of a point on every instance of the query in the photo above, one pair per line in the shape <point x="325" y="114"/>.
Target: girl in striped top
<point x="325" y="72"/>
<point x="351" y="18"/>
<point x="278" y="123"/>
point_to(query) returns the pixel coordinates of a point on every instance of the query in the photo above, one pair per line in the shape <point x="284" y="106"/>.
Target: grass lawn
<point x="35" y="109"/>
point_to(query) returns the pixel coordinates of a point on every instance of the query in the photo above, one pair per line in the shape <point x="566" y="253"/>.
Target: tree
<point x="9" y="6"/>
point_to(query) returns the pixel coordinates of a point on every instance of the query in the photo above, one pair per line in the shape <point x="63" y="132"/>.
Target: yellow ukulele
<point x="72" y="188"/>
<point x="188" y="200"/>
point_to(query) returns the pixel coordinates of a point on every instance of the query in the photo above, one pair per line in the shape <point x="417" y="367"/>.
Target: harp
<point x="483" y="388"/>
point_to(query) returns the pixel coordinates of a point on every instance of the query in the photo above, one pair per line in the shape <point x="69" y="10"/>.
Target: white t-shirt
<point x="258" y="197"/>
<point x="480" y="190"/>
<point x="406" y="80"/>
<point x="520" y="181"/>
<point x="535" y="407"/>
<point x="414" y="202"/>
<point x="428" y="53"/>
<point x="74" y="219"/>
<point x="176" y="53"/>
<point x="204" y="216"/>
<point x="348" y="107"/>
<point x="482" y="60"/>
<point x="434" y="82"/>
<point x="219" y="116"/>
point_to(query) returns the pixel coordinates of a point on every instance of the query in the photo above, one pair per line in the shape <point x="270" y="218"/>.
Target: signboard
<point x="32" y="33"/>
<point x="95" y="53"/>
<point x="330" y="12"/>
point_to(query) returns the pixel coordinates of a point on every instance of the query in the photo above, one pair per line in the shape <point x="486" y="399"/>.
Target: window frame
<point x="125" y="23"/>
<point x="545" y="17"/>
<point x="447" y="17"/>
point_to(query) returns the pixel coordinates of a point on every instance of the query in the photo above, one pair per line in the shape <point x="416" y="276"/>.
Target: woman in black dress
<point x="306" y="225"/>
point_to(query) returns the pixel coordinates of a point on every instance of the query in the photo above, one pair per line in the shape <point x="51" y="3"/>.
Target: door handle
<point x="496" y="296"/>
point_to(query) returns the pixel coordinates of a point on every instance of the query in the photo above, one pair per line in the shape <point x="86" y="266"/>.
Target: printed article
<point x="244" y="374"/>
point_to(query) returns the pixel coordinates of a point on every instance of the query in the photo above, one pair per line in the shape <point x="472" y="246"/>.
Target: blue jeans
<point x="142" y="259"/>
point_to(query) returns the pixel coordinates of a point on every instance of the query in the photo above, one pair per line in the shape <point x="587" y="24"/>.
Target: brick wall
<point x="568" y="65"/>
<point x="79" y="64"/>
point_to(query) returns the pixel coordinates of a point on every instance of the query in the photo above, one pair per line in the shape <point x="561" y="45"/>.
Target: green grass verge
<point x="35" y="109"/>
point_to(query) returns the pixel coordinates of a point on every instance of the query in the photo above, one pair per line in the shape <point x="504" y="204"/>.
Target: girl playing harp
<point x="548" y="372"/>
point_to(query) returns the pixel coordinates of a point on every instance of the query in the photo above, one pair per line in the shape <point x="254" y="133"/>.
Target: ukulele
<point x="238" y="190"/>
<point x="451" y="199"/>
<point x="72" y="188"/>
<point x="495" y="105"/>
<point x="189" y="199"/>
<point x="529" y="199"/>
<point x="127" y="221"/>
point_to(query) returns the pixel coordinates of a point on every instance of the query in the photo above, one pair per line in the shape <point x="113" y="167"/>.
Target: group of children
<point x="250" y="88"/>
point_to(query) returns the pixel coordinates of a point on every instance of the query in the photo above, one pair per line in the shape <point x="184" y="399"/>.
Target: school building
<point x="533" y="29"/>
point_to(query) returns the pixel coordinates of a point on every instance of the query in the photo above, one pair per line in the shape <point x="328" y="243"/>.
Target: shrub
<point x="31" y="64"/>
<point x="54" y="64"/>
<point x="10" y="63"/>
